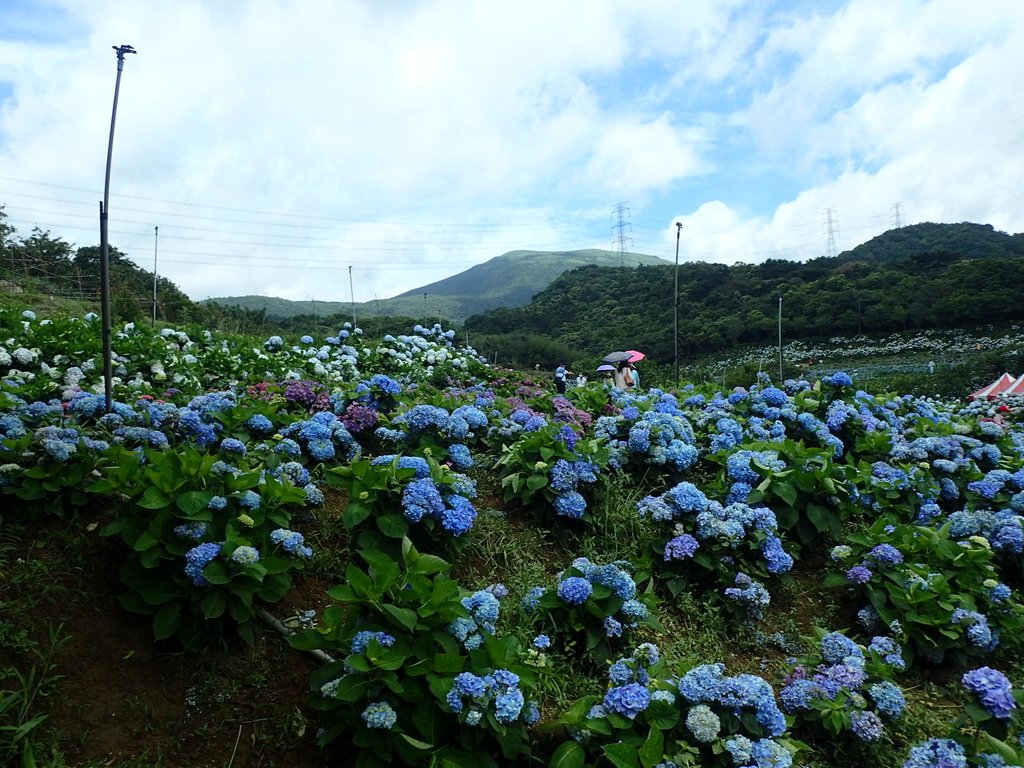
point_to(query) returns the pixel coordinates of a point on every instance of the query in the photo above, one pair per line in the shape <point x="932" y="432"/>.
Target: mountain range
<point x="509" y="280"/>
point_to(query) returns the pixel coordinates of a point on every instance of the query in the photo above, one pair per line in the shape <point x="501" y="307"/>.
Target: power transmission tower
<point x="619" y="237"/>
<point x="831" y="228"/>
<point x="897" y="220"/>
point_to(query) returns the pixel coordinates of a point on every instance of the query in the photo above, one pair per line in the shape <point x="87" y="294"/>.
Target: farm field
<point x="343" y="551"/>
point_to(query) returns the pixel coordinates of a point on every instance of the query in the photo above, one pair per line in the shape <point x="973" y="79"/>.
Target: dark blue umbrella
<point x="616" y="357"/>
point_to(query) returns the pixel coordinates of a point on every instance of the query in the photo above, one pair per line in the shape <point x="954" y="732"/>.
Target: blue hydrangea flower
<point x="197" y="558"/>
<point x="936" y="753"/>
<point x="681" y="547"/>
<point x="232" y="445"/>
<point x="361" y="640"/>
<point x="508" y="705"/>
<point x="837" y="647"/>
<point x="422" y="498"/>
<point x="459" y="515"/>
<point x="574" y="590"/>
<point x="531" y="599"/>
<point x="291" y="542"/>
<point x="889" y="699"/>
<point x="702" y="683"/>
<point x="250" y="500"/>
<point x="570" y="504"/>
<point x="866" y="725"/>
<point x="886" y="554"/>
<point x="194" y="531"/>
<point x="993" y="690"/>
<point x="703" y="723"/>
<point x="858" y="574"/>
<point x="838" y="379"/>
<point x="628" y="700"/>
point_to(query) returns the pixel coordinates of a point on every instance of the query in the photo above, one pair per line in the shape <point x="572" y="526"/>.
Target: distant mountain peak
<point x="509" y="280"/>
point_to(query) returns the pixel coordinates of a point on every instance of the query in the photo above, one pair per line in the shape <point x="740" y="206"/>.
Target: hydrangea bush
<point x="844" y="686"/>
<point x="210" y="539"/>
<point x="592" y="608"/>
<point x="421" y="676"/>
<point x="710" y="542"/>
<point x="649" y="717"/>
<point x="940" y="595"/>
<point x="393" y="495"/>
<point x="550" y="469"/>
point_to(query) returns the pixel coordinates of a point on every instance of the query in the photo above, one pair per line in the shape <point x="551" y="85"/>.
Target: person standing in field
<point x="623" y="376"/>
<point x="635" y="375"/>
<point x="560" y="373"/>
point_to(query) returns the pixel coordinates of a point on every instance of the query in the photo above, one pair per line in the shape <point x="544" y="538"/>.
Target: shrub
<point x="409" y="685"/>
<point x="207" y="539"/>
<point x="592" y="608"/>
<point x="936" y="593"/>
<point x="650" y="718"/>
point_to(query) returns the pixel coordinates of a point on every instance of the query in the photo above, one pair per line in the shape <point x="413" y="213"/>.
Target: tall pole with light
<point x="352" y="293"/>
<point x="108" y="378"/>
<point x="675" y="303"/>
<point x="156" y="232"/>
<point x="780" y="339"/>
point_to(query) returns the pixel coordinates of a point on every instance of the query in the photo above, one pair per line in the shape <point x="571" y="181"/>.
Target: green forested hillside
<point x="916" y="277"/>
<point x="924" y="276"/>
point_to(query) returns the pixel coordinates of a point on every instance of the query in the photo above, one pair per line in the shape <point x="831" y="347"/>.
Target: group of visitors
<point x="624" y="375"/>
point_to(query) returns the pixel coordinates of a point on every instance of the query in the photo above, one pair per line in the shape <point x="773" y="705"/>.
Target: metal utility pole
<point x="780" y="339"/>
<point x="675" y="303"/>
<point x="830" y="227"/>
<point x="108" y="377"/>
<point x="897" y="219"/>
<point x="619" y="231"/>
<point x="352" y="293"/>
<point x="156" y="232"/>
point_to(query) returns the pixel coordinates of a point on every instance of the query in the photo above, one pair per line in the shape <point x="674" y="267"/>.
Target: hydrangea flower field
<point x="526" y="578"/>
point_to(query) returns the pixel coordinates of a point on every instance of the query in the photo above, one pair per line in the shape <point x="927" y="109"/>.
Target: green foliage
<point x="176" y="503"/>
<point x="395" y="625"/>
<point x="19" y="718"/>
<point x="649" y="716"/>
<point x="922" y="276"/>
<point x="593" y="628"/>
<point x="935" y="592"/>
<point x="539" y="470"/>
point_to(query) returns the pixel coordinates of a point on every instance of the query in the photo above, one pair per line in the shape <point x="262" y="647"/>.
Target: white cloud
<point x="412" y="140"/>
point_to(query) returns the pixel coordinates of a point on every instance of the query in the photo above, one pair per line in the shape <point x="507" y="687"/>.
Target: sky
<point x="344" y="150"/>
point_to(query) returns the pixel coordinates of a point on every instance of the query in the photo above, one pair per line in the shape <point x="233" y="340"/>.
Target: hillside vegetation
<point x="920" y="277"/>
<point x="471" y="571"/>
<point x="509" y="280"/>
<point x="916" y="277"/>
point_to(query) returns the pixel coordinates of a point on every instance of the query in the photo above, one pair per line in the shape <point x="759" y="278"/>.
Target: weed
<point x="18" y="719"/>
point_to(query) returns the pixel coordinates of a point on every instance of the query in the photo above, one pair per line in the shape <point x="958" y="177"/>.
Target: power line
<point x="545" y="222"/>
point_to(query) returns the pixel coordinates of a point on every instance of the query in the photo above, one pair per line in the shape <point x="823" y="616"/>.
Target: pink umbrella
<point x="635" y="356"/>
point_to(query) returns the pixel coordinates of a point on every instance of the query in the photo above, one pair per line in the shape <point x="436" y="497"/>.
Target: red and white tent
<point x="1000" y="386"/>
<point x="1016" y="389"/>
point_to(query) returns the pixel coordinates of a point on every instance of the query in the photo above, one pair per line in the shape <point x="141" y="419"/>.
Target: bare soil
<point x="123" y="699"/>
